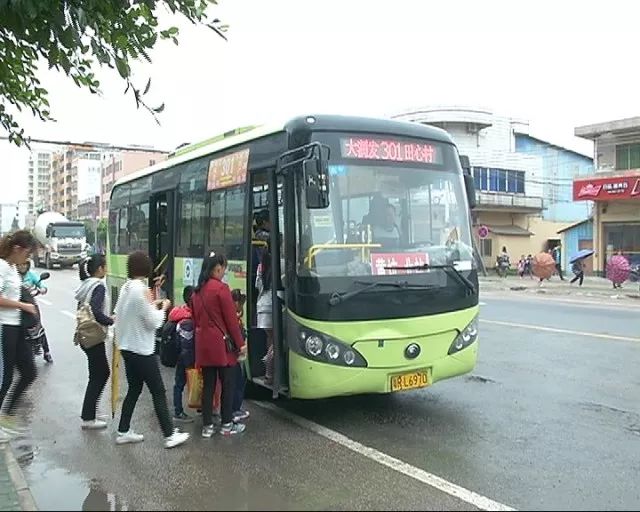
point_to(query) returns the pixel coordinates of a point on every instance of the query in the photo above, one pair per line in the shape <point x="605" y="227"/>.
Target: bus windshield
<point x="386" y="216"/>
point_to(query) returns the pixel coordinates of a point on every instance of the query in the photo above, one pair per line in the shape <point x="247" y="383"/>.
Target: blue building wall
<point x="559" y="166"/>
<point x="571" y="239"/>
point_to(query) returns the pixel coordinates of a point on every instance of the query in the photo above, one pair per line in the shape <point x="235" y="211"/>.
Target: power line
<point x="95" y="146"/>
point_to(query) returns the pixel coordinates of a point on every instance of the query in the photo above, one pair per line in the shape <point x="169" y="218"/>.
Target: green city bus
<point x="371" y="247"/>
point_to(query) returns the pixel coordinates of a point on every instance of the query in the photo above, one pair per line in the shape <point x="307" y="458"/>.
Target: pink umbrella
<point x="543" y="265"/>
<point x="618" y="269"/>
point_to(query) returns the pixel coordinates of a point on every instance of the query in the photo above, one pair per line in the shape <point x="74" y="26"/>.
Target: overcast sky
<point x="558" y="64"/>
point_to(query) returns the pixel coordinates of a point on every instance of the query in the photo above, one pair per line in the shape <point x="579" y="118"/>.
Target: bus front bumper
<point x="312" y="380"/>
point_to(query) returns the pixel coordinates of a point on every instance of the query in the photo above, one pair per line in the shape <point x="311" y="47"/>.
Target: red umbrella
<point x="618" y="269"/>
<point x="543" y="265"/>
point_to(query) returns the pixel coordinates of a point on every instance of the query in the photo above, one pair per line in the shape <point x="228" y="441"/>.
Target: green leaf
<point x="146" y="89"/>
<point x="159" y="110"/>
<point x="123" y="68"/>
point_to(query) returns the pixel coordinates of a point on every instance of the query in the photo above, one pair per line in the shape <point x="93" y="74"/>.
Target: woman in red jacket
<point x="219" y="342"/>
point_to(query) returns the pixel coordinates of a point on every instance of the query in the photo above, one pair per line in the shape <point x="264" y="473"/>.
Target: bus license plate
<point x="411" y="380"/>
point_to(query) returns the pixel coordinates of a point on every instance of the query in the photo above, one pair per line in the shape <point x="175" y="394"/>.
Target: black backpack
<point x="169" y="349"/>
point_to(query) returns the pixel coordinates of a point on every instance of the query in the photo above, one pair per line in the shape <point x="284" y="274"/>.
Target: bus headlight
<point x="321" y="347"/>
<point x="333" y="351"/>
<point x="465" y="338"/>
<point x="313" y="345"/>
<point x="349" y="357"/>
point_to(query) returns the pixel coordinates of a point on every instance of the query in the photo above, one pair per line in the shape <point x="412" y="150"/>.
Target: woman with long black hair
<point x="92" y="291"/>
<point x="219" y="343"/>
<point x="16" y="352"/>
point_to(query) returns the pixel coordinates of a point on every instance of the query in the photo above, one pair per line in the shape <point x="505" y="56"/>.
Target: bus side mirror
<point x="470" y="188"/>
<point x="469" y="185"/>
<point x="316" y="180"/>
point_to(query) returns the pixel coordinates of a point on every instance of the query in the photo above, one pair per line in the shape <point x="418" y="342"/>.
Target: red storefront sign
<point x="607" y="189"/>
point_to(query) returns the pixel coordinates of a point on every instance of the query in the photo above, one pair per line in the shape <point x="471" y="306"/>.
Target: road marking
<point x="561" y="331"/>
<point x="473" y="498"/>
<point x="45" y="302"/>
<point x="68" y="313"/>
<point x="482" y="303"/>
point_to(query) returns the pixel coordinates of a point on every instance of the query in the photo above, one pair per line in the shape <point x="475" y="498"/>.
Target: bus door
<point x="161" y="238"/>
<point x="260" y="210"/>
<point x="258" y="201"/>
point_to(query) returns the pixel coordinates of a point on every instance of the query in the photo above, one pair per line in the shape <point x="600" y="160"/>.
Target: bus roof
<point x="316" y="123"/>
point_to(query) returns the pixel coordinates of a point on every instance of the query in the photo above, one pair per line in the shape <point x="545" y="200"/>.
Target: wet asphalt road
<point x="547" y="420"/>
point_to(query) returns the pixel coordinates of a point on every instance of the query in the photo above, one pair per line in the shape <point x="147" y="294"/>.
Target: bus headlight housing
<point x="320" y="347"/>
<point x="466" y="337"/>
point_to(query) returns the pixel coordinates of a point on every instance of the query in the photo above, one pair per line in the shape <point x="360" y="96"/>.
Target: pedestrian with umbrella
<point x="618" y="269"/>
<point x="544" y="266"/>
<point x="577" y="262"/>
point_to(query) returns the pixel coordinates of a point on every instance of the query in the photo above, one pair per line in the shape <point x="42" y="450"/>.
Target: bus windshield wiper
<point x="448" y="268"/>
<point x="338" y="297"/>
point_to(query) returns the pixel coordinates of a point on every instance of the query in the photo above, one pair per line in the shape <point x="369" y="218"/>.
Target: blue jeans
<point x="238" y="395"/>
<point x="178" y="387"/>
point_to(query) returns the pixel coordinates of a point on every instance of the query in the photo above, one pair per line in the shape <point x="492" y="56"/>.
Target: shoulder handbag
<point x="89" y="332"/>
<point x="228" y="341"/>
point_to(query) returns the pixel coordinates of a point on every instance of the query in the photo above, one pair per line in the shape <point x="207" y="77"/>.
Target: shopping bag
<point x="194" y="388"/>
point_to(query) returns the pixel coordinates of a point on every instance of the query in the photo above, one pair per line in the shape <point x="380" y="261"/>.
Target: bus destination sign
<point x="228" y="171"/>
<point x="383" y="149"/>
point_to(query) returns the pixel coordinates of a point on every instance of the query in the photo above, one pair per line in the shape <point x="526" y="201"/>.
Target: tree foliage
<point x="101" y="231"/>
<point x="76" y="37"/>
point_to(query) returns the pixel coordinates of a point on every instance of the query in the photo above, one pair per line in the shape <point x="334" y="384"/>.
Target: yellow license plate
<point x="410" y="380"/>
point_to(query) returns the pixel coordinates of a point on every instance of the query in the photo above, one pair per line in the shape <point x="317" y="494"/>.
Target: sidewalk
<point x="592" y="287"/>
<point x="14" y="491"/>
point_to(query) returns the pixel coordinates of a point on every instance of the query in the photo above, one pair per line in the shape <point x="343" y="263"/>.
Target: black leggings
<point x="144" y="370"/>
<point x="98" y="377"/>
<point x="579" y="276"/>
<point x="16" y="353"/>
<point x="228" y="381"/>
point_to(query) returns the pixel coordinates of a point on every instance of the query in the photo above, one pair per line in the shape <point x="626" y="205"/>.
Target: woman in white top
<point x="137" y="318"/>
<point x="14" y="250"/>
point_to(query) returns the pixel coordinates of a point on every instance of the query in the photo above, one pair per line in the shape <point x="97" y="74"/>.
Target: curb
<point x="25" y="498"/>
<point x="578" y="293"/>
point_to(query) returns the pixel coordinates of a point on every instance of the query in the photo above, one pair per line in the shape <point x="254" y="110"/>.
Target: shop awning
<point x="509" y="231"/>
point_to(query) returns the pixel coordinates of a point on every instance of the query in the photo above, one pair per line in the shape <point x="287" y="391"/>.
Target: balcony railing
<point x="509" y="201"/>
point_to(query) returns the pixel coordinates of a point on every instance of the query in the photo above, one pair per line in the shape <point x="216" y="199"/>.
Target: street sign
<point x="483" y="232"/>
<point x="188" y="278"/>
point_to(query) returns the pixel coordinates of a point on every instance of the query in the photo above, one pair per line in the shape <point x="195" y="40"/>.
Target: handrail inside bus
<point x="315" y="249"/>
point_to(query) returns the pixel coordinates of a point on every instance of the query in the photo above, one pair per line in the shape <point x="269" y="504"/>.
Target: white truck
<point x="61" y="242"/>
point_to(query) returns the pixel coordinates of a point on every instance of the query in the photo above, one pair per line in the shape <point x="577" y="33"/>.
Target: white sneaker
<point x="175" y="439"/>
<point x="129" y="437"/>
<point x="94" y="425"/>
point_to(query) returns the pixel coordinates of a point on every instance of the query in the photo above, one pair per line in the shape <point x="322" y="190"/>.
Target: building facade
<point x="75" y="177"/>
<point x="519" y="203"/>
<point x="559" y="167"/>
<point x="613" y="189"/>
<point x="121" y="164"/>
<point x="39" y="181"/>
